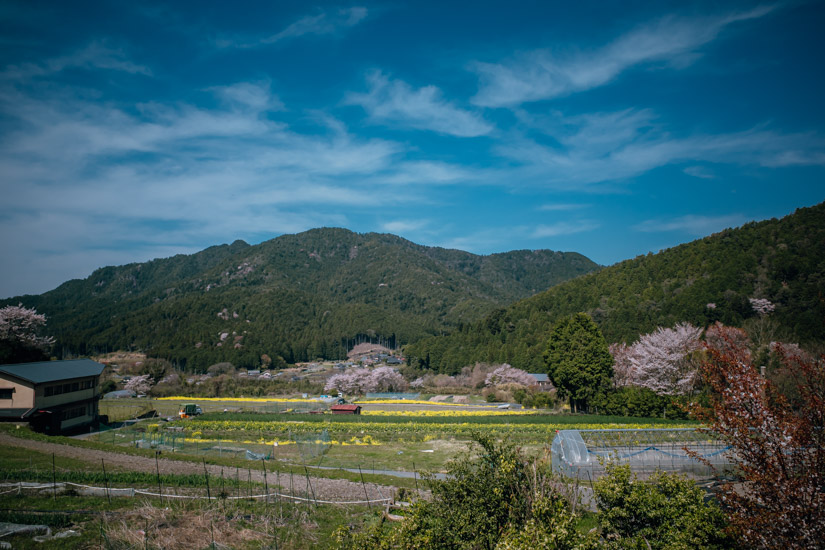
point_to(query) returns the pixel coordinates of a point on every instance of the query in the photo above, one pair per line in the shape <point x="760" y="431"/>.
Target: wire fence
<point x="91" y="490"/>
<point x="122" y="409"/>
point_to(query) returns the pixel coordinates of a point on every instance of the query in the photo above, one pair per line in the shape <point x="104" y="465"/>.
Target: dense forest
<point x="701" y="282"/>
<point x="293" y="298"/>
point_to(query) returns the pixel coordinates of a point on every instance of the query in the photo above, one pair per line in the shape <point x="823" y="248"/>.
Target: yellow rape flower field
<point x="444" y="413"/>
<point x="408" y="438"/>
<point x="239" y="399"/>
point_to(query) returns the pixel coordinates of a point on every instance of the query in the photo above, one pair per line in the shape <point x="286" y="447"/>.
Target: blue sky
<point x="132" y="131"/>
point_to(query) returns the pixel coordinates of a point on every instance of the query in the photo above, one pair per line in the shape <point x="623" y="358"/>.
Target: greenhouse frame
<point x="582" y="454"/>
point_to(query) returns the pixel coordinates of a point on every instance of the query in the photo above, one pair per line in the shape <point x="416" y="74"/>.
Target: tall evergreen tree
<point x="578" y="361"/>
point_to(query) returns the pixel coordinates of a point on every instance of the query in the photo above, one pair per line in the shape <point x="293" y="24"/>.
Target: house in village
<point x="542" y="381"/>
<point x="52" y="396"/>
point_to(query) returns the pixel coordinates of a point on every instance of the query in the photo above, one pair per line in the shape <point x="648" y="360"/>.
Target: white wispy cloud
<point x="543" y="74"/>
<point x="696" y="225"/>
<point x="607" y="147"/>
<point x="95" y="55"/>
<point x="324" y="23"/>
<point x="252" y="95"/>
<point x="562" y="207"/>
<point x="93" y="178"/>
<point x="700" y="172"/>
<point x="426" y="172"/>
<point x="404" y="226"/>
<point x="396" y="102"/>
<point x="564" y="228"/>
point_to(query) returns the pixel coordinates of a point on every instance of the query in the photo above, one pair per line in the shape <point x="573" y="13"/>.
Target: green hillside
<point x="781" y="260"/>
<point x="296" y="297"/>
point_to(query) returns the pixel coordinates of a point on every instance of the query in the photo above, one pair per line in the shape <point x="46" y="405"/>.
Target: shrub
<point x="491" y="498"/>
<point x="667" y="512"/>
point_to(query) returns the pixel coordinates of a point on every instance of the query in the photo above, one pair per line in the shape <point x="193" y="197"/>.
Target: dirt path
<point x="338" y="490"/>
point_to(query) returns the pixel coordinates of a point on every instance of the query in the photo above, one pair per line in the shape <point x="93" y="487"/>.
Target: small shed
<point x="346" y="409"/>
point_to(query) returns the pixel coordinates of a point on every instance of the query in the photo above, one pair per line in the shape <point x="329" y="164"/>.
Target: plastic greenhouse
<point x="581" y="454"/>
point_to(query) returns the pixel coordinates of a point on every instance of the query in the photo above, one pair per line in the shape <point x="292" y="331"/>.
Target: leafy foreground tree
<point x="667" y="512"/>
<point x="499" y="499"/>
<point x="578" y="360"/>
<point x="779" y="448"/>
<point x="495" y="496"/>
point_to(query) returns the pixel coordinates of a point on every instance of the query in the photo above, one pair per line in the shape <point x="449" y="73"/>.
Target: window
<point x="6" y="393"/>
<point x="60" y="389"/>
<point x="76" y="412"/>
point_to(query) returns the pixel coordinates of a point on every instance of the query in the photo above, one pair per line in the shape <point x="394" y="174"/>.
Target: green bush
<point x="496" y="498"/>
<point x="640" y="402"/>
<point x="552" y="527"/>
<point x="667" y="512"/>
<point x="492" y="497"/>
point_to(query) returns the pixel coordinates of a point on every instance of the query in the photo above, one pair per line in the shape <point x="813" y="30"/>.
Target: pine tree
<point x="578" y="361"/>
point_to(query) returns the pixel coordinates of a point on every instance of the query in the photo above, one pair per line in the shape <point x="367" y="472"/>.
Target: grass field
<point x="410" y="439"/>
<point x="372" y="445"/>
<point x="147" y="523"/>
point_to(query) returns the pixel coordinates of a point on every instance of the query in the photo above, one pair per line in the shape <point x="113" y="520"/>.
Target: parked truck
<point x="189" y="409"/>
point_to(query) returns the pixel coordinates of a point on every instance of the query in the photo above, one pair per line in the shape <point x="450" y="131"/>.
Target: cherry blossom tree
<point x="139" y="384"/>
<point x="386" y="379"/>
<point x="661" y="361"/>
<point x="779" y="449"/>
<point x="506" y="374"/>
<point x="728" y="340"/>
<point x="353" y="381"/>
<point x="19" y="339"/>
<point x="622" y="365"/>
<point x="762" y="306"/>
<point x="791" y="351"/>
<point x="762" y="328"/>
<point x="360" y="381"/>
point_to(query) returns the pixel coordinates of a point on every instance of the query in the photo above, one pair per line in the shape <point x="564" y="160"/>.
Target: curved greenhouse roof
<point x="582" y="453"/>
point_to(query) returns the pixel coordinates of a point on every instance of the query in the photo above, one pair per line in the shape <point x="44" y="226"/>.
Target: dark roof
<point x="52" y="371"/>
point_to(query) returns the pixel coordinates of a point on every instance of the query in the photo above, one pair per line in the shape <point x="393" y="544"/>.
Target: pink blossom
<point x="761" y="306"/>
<point x="506" y="374"/>
<point x="139" y="384"/>
<point x="728" y="341"/>
<point x="364" y="380"/>
<point x="21" y="324"/>
<point x="660" y="361"/>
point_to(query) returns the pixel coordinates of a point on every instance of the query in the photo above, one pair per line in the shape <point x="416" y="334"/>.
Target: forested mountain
<point x="293" y="298"/>
<point x="701" y="282"/>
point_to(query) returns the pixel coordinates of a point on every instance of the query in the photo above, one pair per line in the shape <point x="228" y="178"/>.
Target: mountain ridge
<point x="296" y="297"/>
<point x="707" y="280"/>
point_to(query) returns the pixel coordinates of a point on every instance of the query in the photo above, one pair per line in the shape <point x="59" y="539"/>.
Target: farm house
<point x="53" y="396"/>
